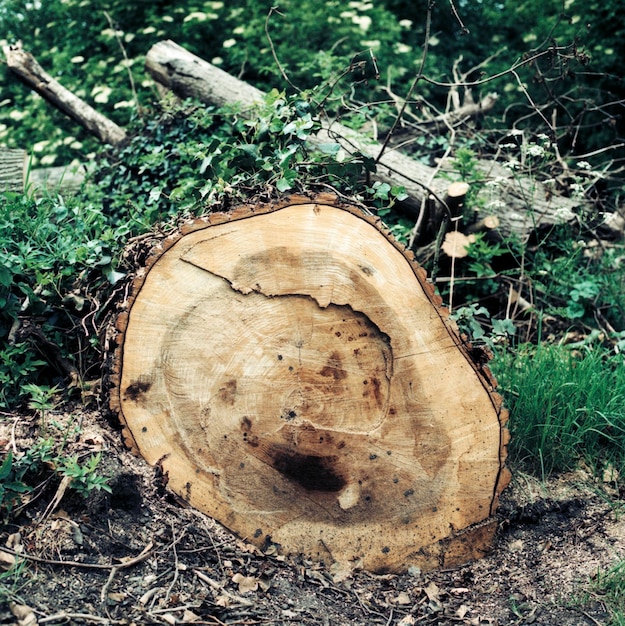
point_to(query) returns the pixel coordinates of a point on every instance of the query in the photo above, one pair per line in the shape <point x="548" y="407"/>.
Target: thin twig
<point x="82" y="616"/>
<point x="453" y="269"/>
<point x="176" y="565"/>
<point x="273" y="10"/>
<point x="465" y="30"/>
<point x="123" y="565"/>
<point x="413" y="86"/>
<point x="489" y="79"/>
<point x="220" y="588"/>
<point x="13" y="444"/>
<point x="128" y="65"/>
<point x="107" y="584"/>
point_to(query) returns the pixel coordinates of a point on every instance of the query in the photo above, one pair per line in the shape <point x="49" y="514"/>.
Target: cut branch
<point x="28" y="70"/>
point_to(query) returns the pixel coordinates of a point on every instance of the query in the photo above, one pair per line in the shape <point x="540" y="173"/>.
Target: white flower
<point x="101" y="94"/>
<point x="364" y="21"/>
<point x="77" y="59"/>
<point x="196" y="15"/>
<point x="405" y="23"/>
<point x="217" y="61"/>
<point x="229" y="43"/>
<point x="48" y="159"/>
<point x="584" y="165"/>
<point x="515" y="132"/>
<point x="534" y="150"/>
<point x="496" y="204"/>
<point x="109" y="32"/>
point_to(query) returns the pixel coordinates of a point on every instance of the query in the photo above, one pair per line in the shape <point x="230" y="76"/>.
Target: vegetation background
<point x="556" y="69"/>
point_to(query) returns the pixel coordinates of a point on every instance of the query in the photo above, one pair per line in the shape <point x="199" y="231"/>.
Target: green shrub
<point x="54" y="256"/>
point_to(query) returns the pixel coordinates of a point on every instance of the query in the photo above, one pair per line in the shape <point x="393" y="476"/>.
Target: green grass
<point x="566" y="406"/>
<point x="609" y="588"/>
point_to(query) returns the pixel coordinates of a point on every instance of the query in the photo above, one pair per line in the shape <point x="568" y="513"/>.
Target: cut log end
<point x="295" y="377"/>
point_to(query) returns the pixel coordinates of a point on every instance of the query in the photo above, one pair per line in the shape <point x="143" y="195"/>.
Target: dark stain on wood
<point x="313" y="473"/>
<point x="136" y="390"/>
<point x="333" y="367"/>
<point x="228" y="392"/>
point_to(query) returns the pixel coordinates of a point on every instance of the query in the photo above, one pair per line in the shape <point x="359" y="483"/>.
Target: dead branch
<point x="26" y="68"/>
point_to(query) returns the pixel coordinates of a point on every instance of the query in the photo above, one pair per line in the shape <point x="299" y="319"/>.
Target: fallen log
<point x="527" y="204"/>
<point x="291" y="371"/>
<point x="28" y="70"/>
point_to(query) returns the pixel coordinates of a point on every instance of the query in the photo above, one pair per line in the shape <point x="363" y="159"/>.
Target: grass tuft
<point x="566" y="406"/>
<point x="609" y="587"/>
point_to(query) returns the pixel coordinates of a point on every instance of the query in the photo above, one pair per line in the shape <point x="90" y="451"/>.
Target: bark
<point x="294" y="375"/>
<point x="28" y="70"/>
<point x="526" y="205"/>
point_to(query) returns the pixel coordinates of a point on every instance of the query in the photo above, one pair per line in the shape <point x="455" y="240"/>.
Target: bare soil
<point x="139" y="556"/>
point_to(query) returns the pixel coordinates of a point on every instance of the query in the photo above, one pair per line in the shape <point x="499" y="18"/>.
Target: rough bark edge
<point x="442" y="553"/>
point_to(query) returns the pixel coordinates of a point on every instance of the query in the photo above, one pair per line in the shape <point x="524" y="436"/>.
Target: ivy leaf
<point x="286" y="182"/>
<point x="154" y="195"/>
<point x="283" y="185"/>
<point x="331" y="148"/>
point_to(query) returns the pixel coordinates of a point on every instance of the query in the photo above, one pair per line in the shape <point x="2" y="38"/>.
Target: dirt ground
<point x="138" y="556"/>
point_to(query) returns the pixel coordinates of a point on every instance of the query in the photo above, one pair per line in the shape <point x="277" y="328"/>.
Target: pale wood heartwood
<point x="295" y="377"/>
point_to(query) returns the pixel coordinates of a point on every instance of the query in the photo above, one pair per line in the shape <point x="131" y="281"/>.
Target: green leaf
<point x="6" y="467"/>
<point x="283" y="185"/>
<point x="329" y="148"/>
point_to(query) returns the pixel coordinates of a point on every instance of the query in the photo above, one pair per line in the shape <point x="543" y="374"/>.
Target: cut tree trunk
<point x="12" y="169"/>
<point x="526" y="203"/>
<point x="295" y="377"/>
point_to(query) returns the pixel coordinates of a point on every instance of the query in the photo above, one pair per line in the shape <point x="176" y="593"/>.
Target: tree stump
<point x="295" y="377"/>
